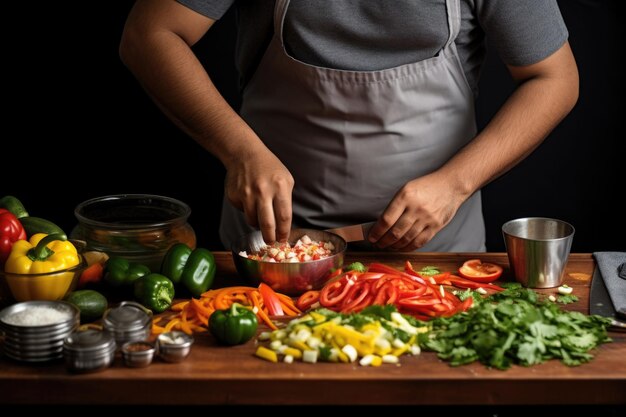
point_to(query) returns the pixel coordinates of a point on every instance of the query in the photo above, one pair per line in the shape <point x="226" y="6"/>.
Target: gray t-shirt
<point x="367" y="35"/>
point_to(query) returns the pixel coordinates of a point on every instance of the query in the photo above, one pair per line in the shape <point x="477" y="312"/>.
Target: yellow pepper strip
<point x="26" y="258"/>
<point x="400" y="351"/>
<point x="265" y="353"/>
<point x="362" y="343"/>
<point x="377" y="361"/>
<point x="297" y="344"/>
<point x="297" y="354"/>
<point x="319" y="318"/>
<point x="342" y="356"/>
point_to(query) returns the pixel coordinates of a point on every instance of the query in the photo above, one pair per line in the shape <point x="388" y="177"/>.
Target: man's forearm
<point x="170" y="72"/>
<point x="527" y="117"/>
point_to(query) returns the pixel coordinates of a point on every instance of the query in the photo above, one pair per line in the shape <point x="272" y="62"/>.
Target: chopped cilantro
<point x="324" y="352"/>
<point x="355" y="266"/>
<point x="515" y="327"/>
<point x="379" y="311"/>
<point x="566" y="299"/>
<point x="429" y="271"/>
<point x="463" y="295"/>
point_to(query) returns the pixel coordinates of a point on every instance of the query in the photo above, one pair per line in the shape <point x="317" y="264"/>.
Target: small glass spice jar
<point x="89" y="350"/>
<point x="130" y="321"/>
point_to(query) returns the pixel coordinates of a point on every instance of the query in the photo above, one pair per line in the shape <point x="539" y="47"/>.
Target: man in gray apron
<point x="323" y="146"/>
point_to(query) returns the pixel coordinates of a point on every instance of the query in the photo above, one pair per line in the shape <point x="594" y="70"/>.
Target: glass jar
<point x="138" y="227"/>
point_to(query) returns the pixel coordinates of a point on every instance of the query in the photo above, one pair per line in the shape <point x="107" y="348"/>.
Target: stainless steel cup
<point x="538" y="249"/>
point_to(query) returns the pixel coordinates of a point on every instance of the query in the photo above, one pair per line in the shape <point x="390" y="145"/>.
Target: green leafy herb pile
<point x="515" y="327"/>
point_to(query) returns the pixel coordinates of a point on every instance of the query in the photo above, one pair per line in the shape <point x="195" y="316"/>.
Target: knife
<point x="353" y="233"/>
<point x="600" y="302"/>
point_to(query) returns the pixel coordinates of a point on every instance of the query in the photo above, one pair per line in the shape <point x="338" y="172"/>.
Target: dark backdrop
<point x="83" y="127"/>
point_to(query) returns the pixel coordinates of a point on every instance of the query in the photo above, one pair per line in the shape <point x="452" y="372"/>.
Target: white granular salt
<point x="37" y="316"/>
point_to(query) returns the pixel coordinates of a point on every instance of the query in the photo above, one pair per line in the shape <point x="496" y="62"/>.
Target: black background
<point x="82" y="127"/>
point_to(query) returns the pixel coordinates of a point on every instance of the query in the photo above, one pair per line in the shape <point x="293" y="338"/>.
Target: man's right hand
<point x="156" y="48"/>
<point x="260" y="185"/>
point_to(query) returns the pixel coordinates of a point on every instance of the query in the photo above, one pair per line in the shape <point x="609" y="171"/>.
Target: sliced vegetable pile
<point x="515" y="327"/>
<point x="422" y="297"/>
<point x="377" y="335"/>
<point x="192" y="315"/>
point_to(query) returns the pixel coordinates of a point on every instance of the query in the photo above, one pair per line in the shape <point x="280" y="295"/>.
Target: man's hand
<point x="260" y="185"/>
<point x="547" y="91"/>
<point x="156" y="48"/>
<point x="419" y="210"/>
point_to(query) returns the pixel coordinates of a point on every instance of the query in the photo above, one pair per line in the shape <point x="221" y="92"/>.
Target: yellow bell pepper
<point x="35" y="269"/>
<point x="33" y="258"/>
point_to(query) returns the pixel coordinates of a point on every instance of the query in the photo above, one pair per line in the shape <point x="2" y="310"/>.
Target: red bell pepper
<point x="355" y="296"/>
<point x="11" y="230"/>
<point x="271" y="301"/>
<point x="307" y="299"/>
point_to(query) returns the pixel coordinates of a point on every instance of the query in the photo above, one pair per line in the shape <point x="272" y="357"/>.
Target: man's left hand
<point x="420" y="209"/>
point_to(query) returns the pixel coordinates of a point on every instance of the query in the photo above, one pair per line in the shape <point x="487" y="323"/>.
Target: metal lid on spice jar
<point x="129" y="321"/>
<point x="128" y="316"/>
<point x="89" y="341"/>
<point x="89" y="350"/>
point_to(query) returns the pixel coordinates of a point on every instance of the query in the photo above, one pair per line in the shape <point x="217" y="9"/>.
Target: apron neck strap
<point x="453" y="8"/>
<point x="280" y="11"/>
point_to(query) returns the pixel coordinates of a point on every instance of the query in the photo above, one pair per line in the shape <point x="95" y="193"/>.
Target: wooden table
<point x="214" y="374"/>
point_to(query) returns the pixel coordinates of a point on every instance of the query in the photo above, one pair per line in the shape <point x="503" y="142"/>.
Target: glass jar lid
<point x="89" y="340"/>
<point x="128" y="316"/>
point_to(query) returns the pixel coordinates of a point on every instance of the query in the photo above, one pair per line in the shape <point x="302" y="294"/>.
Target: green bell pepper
<point x="233" y="326"/>
<point x="195" y="269"/>
<point x="120" y="272"/>
<point x="155" y="292"/>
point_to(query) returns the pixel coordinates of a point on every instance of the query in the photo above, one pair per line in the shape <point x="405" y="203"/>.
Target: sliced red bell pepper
<point x="466" y="283"/>
<point x="418" y="292"/>
<point x="333" y="294"/>
<point x="271" y="300"/>
<point x="307" y="299"/>
<point x="418" y="302"/>
<point x="355" y="296"/>
<point x="376" y="267"/>
<point x="378" y="284"/>
<point x="367" y="301"/>
<point x="388" y="294"/>
<point x="465" y="305"/>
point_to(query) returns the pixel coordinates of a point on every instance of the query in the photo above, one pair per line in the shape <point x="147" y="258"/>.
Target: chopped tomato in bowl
<point x="479" y="271"/>
<point x="306" y="263"/>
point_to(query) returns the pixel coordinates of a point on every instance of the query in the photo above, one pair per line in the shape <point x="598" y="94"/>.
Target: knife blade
<point x="353" y="233"/>
<point x="600" y="301"/>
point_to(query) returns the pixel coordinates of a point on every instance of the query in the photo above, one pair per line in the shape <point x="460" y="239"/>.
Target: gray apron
<point x="351" y="139"/>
